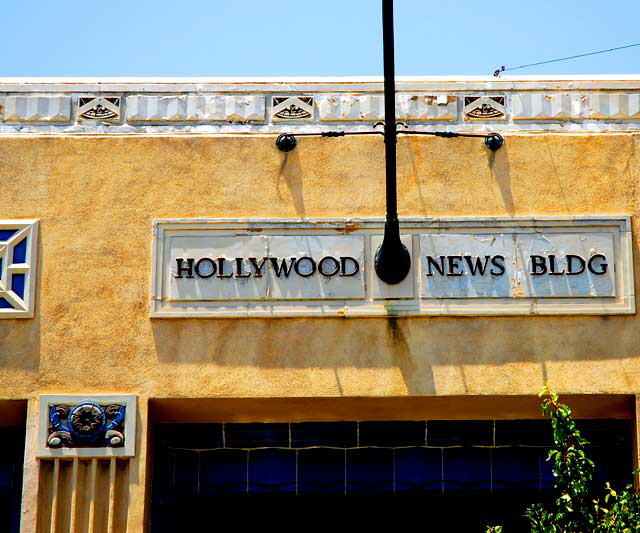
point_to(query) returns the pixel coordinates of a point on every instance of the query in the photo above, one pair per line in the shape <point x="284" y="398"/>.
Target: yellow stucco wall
<point x="96" y="198"/>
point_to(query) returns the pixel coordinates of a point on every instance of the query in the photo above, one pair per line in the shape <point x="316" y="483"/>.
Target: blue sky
<point x="298" y="38"/>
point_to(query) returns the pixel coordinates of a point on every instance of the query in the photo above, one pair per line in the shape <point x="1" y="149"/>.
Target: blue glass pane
<point x="6" y="234"/>
<point x="272" y="470"/>
<point x="460" y="432"/>
<point x="467" y="468"/>
<point x="516" y="467"/>
<point x="321" y="470"/>
<point x="418" y="469"/>
<point x="369" y="469"/>
<point x="186" y="471"/>
<point x="256" y="435"/>
<point x="17" y="284"/>
<point x="335" y="434"/>
<point x="20" y="252"/>
<point x="392" y="433"/>
<point x="4" y="304"/>
<point x="223" y="471"/>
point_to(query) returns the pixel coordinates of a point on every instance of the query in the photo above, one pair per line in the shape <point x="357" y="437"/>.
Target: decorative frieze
<point x="95" y="426"/>
<point x="18" y="261"/>
<point x="426" y="107"/>
<point x="350" y="107"/>
<point x="27" y="108"/>
<point x="547" y="106"/>
<point x="228" y="106"/>
<point x="370" y="108"/>
<point x="190" y="108"/>
<point x="607" y="106"/>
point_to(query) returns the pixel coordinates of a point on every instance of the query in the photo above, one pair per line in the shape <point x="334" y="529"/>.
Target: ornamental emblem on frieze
<point x="484" y="107"/>
<point x="99" y="108"/>
<point x="292" y="107"/>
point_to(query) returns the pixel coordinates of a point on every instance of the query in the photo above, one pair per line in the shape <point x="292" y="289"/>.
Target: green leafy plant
<point x="574" y="510"/>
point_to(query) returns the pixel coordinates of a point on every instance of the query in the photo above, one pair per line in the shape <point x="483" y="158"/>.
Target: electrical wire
<point x="503" y="68"/>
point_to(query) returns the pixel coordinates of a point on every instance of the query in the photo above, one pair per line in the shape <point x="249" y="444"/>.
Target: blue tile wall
<point x="393" y="434"/>
<point x="370" y="469"/>
<point x="272" y="470"/>
<point x="321" y="470"/>
<point x="258" y="435"/>
<point x="516" y="467"/>
<point x="460" y="433"/>
<point x="333" y="434"/>
<point x="371" y="457"/>
<point x="418" y="469"/>
<point x="467" y="468"/>
<point x="223" y="471"/>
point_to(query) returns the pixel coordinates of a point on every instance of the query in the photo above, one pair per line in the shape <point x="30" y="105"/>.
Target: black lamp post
<point x="392" y="261"/>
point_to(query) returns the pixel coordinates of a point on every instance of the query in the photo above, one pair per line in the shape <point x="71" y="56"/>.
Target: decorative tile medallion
<point x="292" y="108"/>
<point x="89" y="426"/>
<point x="18" y="248"/>
<point x="99" y="108"/>
<point x="484" y="107"/>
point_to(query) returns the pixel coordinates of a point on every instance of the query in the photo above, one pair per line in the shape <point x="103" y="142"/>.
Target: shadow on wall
<point x="291" y="173"/>
<point x="498" y="163"/>
<point x="415" y="346"/>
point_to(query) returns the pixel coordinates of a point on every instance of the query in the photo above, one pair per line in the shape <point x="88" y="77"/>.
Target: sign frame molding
<point x="618" y="225"/>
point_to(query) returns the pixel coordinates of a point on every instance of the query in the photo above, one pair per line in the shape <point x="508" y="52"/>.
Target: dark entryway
<point x="466" y="474"/>
<point x="11" y="465"/>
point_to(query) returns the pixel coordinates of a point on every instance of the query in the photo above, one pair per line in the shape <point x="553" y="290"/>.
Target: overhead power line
<point x="503" y="68"/>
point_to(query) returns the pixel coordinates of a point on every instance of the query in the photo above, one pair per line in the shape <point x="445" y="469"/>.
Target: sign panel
<point x="230" y="268"/>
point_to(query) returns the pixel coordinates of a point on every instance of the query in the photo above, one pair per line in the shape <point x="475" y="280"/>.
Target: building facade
<point x="189" y="315"/>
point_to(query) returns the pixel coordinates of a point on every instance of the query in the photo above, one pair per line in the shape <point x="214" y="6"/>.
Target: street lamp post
<point x="392" y="261"/>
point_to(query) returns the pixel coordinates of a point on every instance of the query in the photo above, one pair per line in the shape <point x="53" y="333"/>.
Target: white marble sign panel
<point x="326" y="267"/>
<point x="209" y="270"/>
<point x="466" y="266"/>
<point x="316" y="267"/>
<point x="566" y="265"/>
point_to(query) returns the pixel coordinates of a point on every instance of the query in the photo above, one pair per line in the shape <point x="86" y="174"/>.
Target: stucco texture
<point x="96" y="197"/>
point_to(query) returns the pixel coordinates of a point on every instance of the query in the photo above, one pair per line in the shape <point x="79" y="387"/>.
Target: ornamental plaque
<point x="96" y="425"/>
<point x="466" y="266"/>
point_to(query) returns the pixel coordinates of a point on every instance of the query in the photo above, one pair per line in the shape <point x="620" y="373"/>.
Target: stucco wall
<point x="96" y="198"/>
